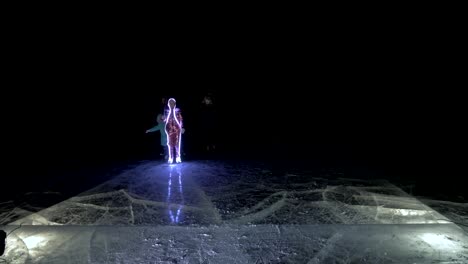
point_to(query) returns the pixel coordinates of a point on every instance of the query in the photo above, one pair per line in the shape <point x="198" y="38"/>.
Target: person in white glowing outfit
<point x="174" y="130"/>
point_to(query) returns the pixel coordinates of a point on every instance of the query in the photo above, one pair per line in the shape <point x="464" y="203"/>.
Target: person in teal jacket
<point x="161" y="128"/>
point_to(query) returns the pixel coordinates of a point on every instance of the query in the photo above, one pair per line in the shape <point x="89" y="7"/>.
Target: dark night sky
<point x="91" y="98"/>
<point x="390" y="128"/>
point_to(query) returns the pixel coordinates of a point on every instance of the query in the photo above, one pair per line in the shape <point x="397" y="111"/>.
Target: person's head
<point x="207" y="100"/>
<point x="171" y="103"/>
<point x="160" y="118"/>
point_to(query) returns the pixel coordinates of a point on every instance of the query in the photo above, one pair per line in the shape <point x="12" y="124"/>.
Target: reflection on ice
<point x="440" y="242"/>
<point x="35" y="244"/>
<point x="207" y="193"/>
<point x="178" y="197"/>
<point x="34" y="241"/>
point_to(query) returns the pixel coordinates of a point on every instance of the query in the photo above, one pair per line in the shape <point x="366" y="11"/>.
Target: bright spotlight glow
<point x="34" y="241"/>
<point x="439" y="241"/>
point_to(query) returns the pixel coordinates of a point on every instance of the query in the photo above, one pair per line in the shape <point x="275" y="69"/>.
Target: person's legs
<point x="205" y="138"/>
<point x="172" y="143"/>
<point x="211" y="139"/>
<point x="170" y="154"/>
<point x="178" y="159"/>
<point x="165" y="152"/>
<point x="177" y="148"/>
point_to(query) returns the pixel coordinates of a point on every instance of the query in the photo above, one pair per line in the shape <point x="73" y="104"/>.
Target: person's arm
<point x="153" y="129"/>
<point x="181" y="121"/>
<point x="180" y="118"/>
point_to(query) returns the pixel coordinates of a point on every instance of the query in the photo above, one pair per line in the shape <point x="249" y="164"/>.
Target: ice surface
<point x="417" y="243"/>
<point x="219" y="212"/>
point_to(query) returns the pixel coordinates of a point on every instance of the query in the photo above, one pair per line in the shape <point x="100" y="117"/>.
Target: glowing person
<point x="174" y="130"/>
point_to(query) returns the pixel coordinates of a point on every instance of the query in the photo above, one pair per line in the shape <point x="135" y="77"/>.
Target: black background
<point x="73" y="97"/>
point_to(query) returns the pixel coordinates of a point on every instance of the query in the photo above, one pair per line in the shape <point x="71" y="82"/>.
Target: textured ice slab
<point x="205" y="193"/>
<point x="218" y="212"/>
<point x="417" y="243"/>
